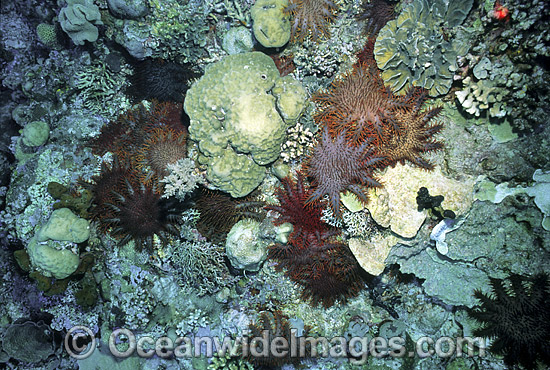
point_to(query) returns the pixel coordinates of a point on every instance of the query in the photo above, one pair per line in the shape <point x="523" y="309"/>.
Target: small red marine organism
<point x="500" y="12"/>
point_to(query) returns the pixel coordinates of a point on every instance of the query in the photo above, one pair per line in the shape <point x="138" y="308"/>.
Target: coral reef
<point x="238" y="125"/>
<point x="395" y="205"/>
<point x="271" y="24"/>
<point x="28" y="341"/>
<point x="200" y="266"/>
<point x="181" y="179"/>
<point x="244" y="246"/>
<point x="79" y="20"/>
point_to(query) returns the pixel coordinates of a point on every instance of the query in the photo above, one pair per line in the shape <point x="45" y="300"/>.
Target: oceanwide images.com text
<point x="124" y="343"/>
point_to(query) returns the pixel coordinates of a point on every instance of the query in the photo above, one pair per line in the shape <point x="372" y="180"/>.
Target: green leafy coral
<point x="79" y="20"/>
<point x="414" y="49"/>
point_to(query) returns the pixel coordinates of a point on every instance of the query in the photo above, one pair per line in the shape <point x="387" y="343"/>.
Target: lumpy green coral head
<point x="238" y="121"/>
<point x="64" y="225"/>
<point x="271" y="25"/>
<point x="236" y="174"/>
<point x="244" y="248"/>
<point x="50" y="261"/>
<point x="35" y="133"/>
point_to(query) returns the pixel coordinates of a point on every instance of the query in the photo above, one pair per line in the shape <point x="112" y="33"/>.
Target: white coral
<point x="183" y="178"/>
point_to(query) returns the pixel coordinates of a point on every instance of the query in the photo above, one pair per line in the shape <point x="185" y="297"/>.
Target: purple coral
<point x="336" y="167"/>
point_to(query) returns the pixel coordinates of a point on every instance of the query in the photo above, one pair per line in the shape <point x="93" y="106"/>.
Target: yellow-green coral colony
<point x="240" y="110"/>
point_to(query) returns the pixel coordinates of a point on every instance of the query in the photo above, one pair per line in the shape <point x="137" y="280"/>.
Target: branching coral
<point x="200" y="265"/>
<point x="182" y="179"/>
<point x="99" y="86"/>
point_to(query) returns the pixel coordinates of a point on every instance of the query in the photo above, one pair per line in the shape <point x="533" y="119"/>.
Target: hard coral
<point x="311" y="17"/>
<point x="336" y="167"/>
<point x="517" y="317"/>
